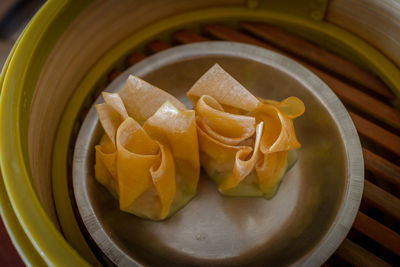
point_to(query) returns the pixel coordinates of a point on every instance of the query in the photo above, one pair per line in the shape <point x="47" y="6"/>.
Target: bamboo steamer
<point x="65" y="53"/>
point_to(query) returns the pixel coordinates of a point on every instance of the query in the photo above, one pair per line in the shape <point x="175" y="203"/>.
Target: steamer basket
<point x="72" y="49"/>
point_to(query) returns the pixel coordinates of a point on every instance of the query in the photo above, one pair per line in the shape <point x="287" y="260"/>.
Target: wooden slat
<point x="134" y="58"/>
<point x="359" y="99"/>
<point x="189" y="37"/>
<point x="224" y="32"/>
<point x="376" y="134"/>
<point x="378" y="232"/>
<point x="381" y="199"/>
<point x="114" y="73"/>
<point x="346" y="92"/>
<point x="157" y="46"/>
<point x="319" y="55"/>
<point x="382" y="167"/>
<point x="185" y="37"/>
<point x="358" y="256"/>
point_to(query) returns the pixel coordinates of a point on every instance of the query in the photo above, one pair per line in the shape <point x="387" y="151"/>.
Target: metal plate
<point x="302" y="225"/>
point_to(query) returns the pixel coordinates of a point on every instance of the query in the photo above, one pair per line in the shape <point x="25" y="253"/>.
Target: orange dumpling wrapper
<point x="245" y="143"/>
<point x="148" y="157"/>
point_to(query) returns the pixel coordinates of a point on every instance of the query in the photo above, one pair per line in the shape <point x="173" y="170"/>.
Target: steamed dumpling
<point x="148" y="157"/>
<point x="244" y="141"/>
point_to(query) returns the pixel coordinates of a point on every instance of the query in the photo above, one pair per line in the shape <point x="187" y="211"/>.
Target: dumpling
<point x="148" y="157"/>
<point x="245" y="143"/>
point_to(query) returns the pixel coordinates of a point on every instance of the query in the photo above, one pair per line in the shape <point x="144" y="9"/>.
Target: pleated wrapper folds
<point x="243" y="140"/>
<point x="152" y="149"/>
<point x="148" y="157"/>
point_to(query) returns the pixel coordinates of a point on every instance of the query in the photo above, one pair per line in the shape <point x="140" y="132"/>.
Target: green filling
<point x="149" y="208"/>
<point x="148" y="205"/>
<point x="249" y="186"/>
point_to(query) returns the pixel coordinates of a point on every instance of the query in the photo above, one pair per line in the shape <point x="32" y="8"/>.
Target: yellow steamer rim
<point x="36" y="237"/>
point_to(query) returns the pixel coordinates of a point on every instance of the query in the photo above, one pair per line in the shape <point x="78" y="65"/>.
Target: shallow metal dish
<point x="302" y="225"/>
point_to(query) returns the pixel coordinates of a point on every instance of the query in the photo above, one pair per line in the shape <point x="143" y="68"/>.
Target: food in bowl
<point x="150" y="154"/>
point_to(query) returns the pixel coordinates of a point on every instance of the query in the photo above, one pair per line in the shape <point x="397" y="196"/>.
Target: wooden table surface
<point x="8" y="254"/>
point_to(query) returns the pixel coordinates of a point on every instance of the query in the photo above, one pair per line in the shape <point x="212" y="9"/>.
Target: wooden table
<point x="8" y="254"/>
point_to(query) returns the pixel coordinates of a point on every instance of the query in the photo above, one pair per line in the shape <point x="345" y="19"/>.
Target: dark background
<point x="14" y="15"/>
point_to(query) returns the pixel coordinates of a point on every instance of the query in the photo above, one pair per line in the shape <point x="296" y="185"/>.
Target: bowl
<point x="303" y="224"/>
